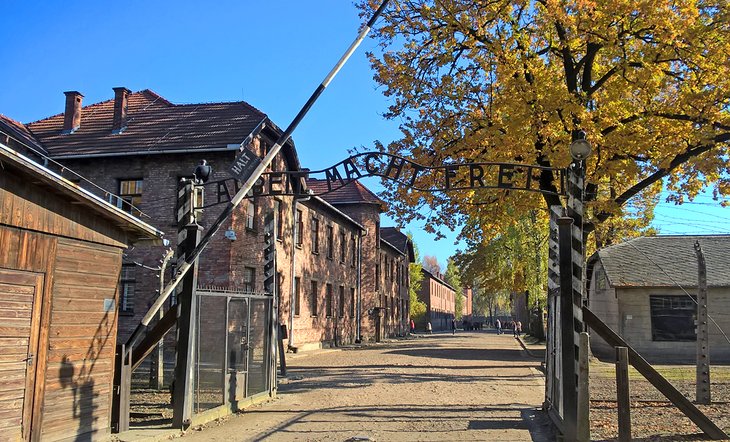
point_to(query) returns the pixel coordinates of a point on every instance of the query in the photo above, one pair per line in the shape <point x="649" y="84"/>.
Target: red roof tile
<point x="153" y="124"/>
<point x="18" y="130"/>
<point x="353" y="192"/>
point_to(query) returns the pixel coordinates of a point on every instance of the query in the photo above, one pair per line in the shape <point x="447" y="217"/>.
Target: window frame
<point x="250" y="216"/>
<point x="328" y="298"/>
<point x="249" y="286"/>
<point x="313" y="294"/>
<point x="126" y="302"/>
<point x="341" y="303"/>
<point x="330" y="238"/>
<point x="299" y="228"/>
<point x="315" y="235"/>
<point x="684" y="303"/>
<point x="279" y="218"/>
<point x="297" y="295"/>
<point x="133" y="201"/>
<point x="343" y="246"/>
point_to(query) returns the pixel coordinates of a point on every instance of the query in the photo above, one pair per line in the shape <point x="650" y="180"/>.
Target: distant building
<point x="440" y="300"/>
<point x="645" y="290"/>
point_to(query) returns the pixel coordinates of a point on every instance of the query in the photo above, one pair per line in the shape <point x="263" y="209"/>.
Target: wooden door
<point x="20" y="302"/>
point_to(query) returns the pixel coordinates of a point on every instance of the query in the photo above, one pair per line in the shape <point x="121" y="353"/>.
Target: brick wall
<point x="222" y="264"/>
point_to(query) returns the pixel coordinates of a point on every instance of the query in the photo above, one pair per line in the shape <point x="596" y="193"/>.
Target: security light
<point x="580" y="149"/>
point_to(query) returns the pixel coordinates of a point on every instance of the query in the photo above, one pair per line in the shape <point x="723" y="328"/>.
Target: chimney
<point x="119" y="123"/>
<point x="72" y="115"/>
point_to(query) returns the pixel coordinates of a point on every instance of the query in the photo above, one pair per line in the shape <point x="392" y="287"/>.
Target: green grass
<point x="720" y="373"/>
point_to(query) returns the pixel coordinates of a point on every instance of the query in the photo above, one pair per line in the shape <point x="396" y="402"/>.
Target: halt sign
<point x="244" y="164"/>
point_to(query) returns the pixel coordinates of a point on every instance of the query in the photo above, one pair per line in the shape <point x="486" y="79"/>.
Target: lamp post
<point x="572" y="261"/>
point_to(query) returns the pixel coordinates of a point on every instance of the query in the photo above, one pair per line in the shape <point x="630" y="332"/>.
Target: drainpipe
<point x="292" y="294"/>
<point x="359" y="284"/>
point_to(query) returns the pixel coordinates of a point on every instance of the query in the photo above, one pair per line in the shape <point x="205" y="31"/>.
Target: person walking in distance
<point x="453" y="327"/>
<point x="518" y="329"/>
<point x="428" y="327"/>
<point x="413" y="327"/>
<point x="498" y="326"/>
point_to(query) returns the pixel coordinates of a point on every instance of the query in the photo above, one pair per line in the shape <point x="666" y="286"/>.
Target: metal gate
<point x="234" y="357"/>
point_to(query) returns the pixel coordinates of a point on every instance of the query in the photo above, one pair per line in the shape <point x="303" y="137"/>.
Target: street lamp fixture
<point x="580" y="149"/>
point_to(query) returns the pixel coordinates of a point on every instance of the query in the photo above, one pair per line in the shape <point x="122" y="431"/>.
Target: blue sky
<point x="271" y="54"/>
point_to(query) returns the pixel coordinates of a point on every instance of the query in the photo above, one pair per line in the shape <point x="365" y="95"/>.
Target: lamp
<point x="580" y="148"/>
<point x="202" y="172"/>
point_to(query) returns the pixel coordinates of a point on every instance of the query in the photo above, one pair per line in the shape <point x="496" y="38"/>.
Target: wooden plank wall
<point x="32" y="207"/>
<point x="77" y="360"/>
<point x="82" y="341"/>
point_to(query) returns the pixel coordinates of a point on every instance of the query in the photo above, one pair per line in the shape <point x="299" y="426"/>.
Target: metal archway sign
<point x="442" y="178"/>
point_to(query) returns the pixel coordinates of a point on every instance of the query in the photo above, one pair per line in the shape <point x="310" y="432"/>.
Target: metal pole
<point x="703" y="341"/>
<point x="568" y="381"/>
<point x="248" y="184"/>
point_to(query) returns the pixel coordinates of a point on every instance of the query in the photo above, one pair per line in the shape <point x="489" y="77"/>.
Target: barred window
<point x="672" y="318"/>
<point x="249" y="279"/>
<point x="127" y="285"/>
<point x="250" y="214"/>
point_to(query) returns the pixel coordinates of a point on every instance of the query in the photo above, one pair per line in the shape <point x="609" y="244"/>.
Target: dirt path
<point x="472" y="386"/>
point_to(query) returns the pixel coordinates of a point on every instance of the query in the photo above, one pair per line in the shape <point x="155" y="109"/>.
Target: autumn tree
<point x="417" y="309"/>
<point x="431" y="264"/>
<point x="516" y="81"/>
<point x="452" y="276"/>
<point x="510" y="261"/>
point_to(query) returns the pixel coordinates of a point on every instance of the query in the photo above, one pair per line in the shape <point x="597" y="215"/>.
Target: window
<point x="130" y="196"/>
<point x="353" y="259"/>
<point x="297" y="296"/>
<point x="672" y="318"/>
<point x="343" y="247"/>
<point x="126" y="288"/>
<point x="250" y="214"/>
<point x="330" y="242"/>
<point x="386" y="268"/>
<point x="341" y="304"/>
<point x="313" y="299"/>
<point x="315" y="235"/>
<point x="249" y="279"/>
<point x="298" y="229"/>
<point x="328" y="301"/>
<point x="377" y="234"/>
<point x="377" y="276"/>
<point x="352" y="302"/>
<point x="279" y="214"/>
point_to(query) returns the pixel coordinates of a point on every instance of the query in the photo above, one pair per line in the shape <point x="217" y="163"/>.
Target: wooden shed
<point x="60" y="261"/>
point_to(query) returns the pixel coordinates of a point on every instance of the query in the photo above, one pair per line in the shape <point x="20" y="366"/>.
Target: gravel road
<point x="474" y="386"/>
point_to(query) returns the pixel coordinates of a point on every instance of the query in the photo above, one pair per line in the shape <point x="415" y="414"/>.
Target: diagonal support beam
<point x="149" y="342"/>
<point x="653" y="376"/>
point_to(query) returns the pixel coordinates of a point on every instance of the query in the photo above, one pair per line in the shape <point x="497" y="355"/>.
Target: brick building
<point x="338" y="280"/>
<point x="440" y="299"/>
<point x="385" y="256"/>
